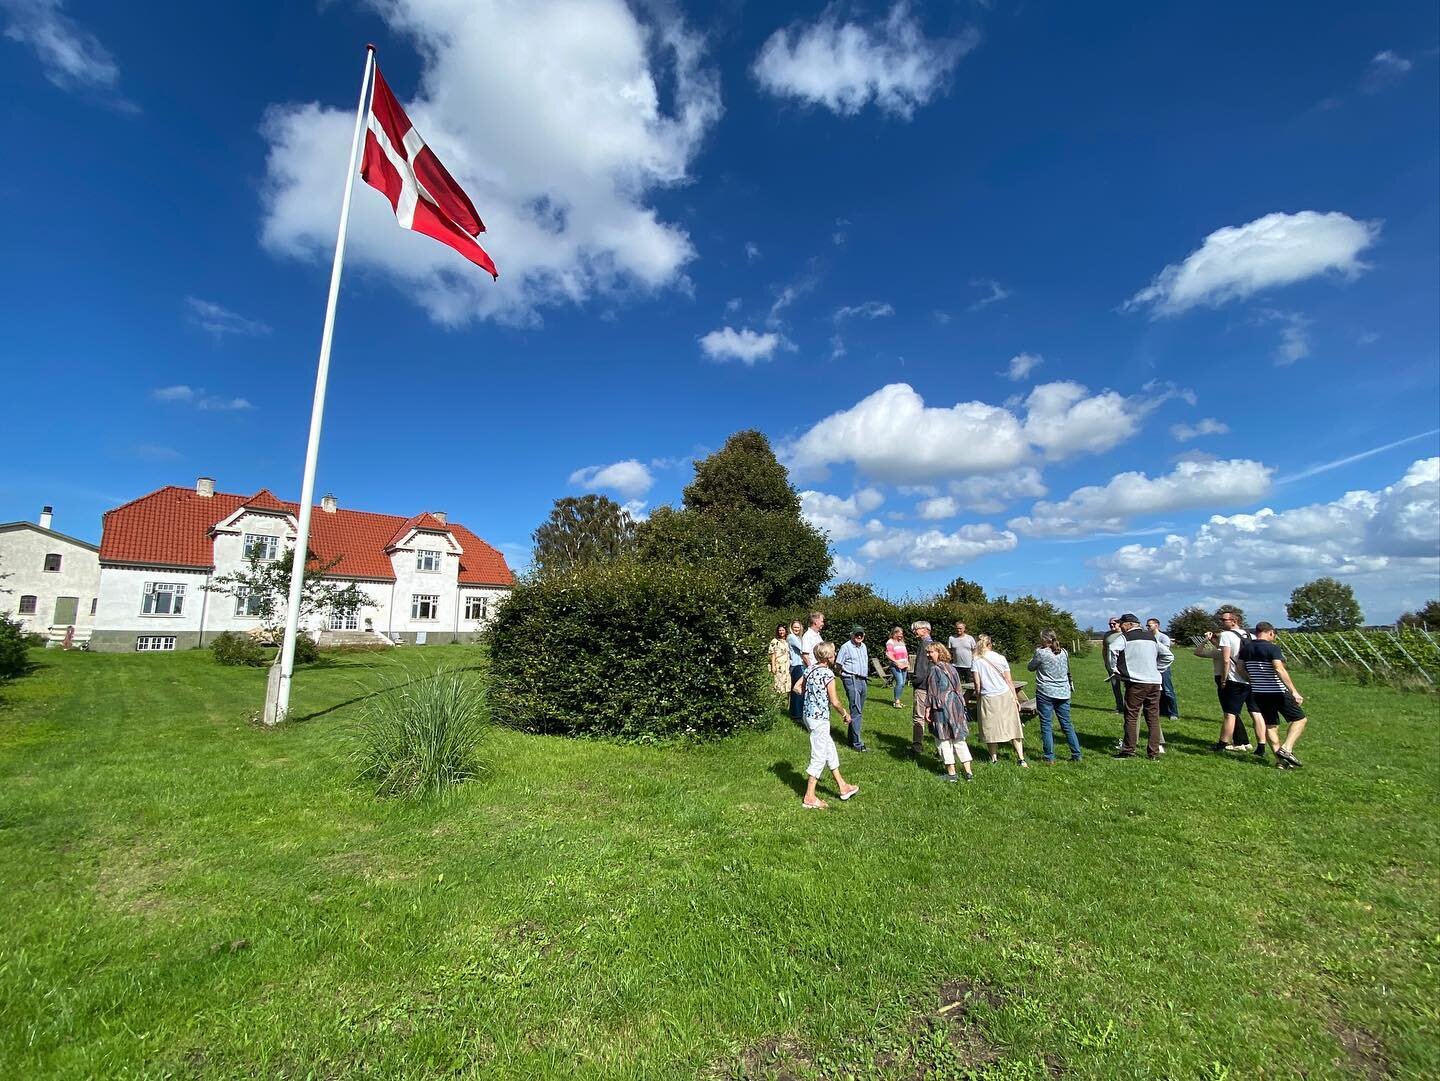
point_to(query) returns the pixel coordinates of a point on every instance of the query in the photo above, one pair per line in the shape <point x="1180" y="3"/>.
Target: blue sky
<point x="1109" y="309"/>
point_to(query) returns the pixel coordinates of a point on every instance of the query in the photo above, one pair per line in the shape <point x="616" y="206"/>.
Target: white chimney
<point x="205" y="487"/>
<point x="45" y="513"/>
<point x="327" y="504"/>
<point x="439" y="516"/>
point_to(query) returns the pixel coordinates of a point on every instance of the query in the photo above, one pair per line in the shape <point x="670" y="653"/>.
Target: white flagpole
<point x="277" y="696"/>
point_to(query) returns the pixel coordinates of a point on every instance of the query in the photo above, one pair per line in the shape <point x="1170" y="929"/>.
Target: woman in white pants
<point x="817" y="689"/>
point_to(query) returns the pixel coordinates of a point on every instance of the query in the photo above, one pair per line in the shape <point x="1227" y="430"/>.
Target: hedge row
<point x="628" y="650"/>
<point x="1013" y="626"/>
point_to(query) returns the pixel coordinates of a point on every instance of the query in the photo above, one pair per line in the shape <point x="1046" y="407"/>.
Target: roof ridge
<point x="139" y="498"/>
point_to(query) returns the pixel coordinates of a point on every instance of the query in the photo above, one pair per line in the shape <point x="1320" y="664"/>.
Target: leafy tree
<point x="581" y="531"/>
<point x="1191" y="622"/>
<point x="964" y="591"/>
<point x="1239" y="615"/>
<point x="742" y="518"/>
<point x="1429" y="616"/>
<point x="268" y="583"/>
<point x="13" y="659"/>
<point x="1324" y="605"/>
<point x="852" y="592"/>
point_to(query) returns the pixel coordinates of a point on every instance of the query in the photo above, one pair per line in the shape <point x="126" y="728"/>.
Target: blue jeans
<point x="1050" y="708"/>
<point x="900" y="674"/>
<point x="797" y="701"/>
<point x="1169" y="705"/>
<point x="855" y="688"/>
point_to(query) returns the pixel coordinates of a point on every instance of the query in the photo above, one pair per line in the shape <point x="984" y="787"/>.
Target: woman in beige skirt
<point x="999" y="711"/>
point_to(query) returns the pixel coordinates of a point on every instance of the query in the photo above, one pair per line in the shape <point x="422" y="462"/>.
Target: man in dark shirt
<point x="1274" y="693"/>
<point x="921" y="717"/>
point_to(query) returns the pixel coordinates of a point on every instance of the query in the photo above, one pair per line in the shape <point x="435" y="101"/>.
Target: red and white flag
<point x="424" y="194"/>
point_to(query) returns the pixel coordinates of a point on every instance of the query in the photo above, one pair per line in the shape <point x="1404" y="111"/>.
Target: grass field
<point x="185" y="895"/>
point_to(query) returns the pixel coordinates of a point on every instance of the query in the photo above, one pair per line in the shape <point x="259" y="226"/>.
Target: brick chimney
<point x="45" y="513"/>
<point x="205" y="487"/>
<point x="327" y="503"/>
<point x="439" y="516"/>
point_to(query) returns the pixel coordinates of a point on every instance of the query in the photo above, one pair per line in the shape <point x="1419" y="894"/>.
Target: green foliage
<point x="587" y="529"/>
<point x="852" y="592"/>
<point x="1189" y="623"/>
<point x="964" y="591"/>
<point x="236" y="650"/>
<point x="1324" y="605"/>
<point x="631" y="650"/>
<point x="742" y="519"/>
<point x="307" y="650"/>
<point x="269" y="582"/>
<point x="418" y="740"/>
<point x="1428" y="616"/>
<point x="13" y="659"/>
<point x="33" y="640"/>
<point x="1239" y="615"/>
<point x="1014" y="626"/>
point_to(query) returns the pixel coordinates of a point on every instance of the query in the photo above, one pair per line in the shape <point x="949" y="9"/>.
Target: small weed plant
<point x="417" y="740"/>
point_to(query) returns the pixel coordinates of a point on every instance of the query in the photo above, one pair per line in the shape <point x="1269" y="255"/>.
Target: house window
<point x="424" y="606"/>
<point x="94" y="603"/>
<point x="263" y="548"/>
<point x="52" y="561"/>
<point x="163" y="599"/>
<point x="155" y="643"/>
<point x="476" y="608"/>
<point x="426" y="560"/>
<point x="27" y="606"/>
<point x="344" y="621"/>
<point x="248" y="604"/>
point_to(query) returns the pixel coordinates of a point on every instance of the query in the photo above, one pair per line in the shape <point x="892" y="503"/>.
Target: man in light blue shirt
<point x="853" y="660"/>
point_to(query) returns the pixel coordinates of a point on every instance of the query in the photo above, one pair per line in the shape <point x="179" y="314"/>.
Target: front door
<point x="340" y="622"/>
<point x="65" y="609"/>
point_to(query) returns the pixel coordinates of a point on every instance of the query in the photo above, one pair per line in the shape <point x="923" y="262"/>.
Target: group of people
<point x="1250" y="672"/>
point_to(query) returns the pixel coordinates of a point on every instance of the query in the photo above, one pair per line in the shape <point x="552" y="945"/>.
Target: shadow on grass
<point x="378" y="691"/>
<point x="791" y="777"/>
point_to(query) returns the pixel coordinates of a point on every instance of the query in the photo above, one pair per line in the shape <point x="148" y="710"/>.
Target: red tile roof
<point x="172" y="528"/>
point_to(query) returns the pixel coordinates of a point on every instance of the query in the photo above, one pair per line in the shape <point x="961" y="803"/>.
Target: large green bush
<point x="1013" y="626"/>
<point x="13" y="660"/>
<point x="631" y="650"/>
<point x="231" y="648"/>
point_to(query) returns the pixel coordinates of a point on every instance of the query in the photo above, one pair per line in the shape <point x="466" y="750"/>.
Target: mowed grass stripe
<point x="184" y="893"/>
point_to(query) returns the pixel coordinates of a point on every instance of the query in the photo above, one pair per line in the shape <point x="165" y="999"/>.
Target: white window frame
<point x="473" y="603"/>
<point x="432" y="556"/>
<point x="176" y="590"/>
<point x="155" y="643"/>
<point x="244" y="602"/>
<point x="431" y="600"/>
<point x="270" y="544"/>
<point x="347" y="622"/>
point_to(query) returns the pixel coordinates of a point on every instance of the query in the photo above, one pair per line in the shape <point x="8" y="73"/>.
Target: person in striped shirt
<point x="1274" y="693"/>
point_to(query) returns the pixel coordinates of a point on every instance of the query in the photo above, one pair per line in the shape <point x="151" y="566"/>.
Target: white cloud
<point x="933" y="549"/>
<point x="1238" y="261"/>
<point x="752" y="251"/>
<point x="837" y="516"/>
<point x="552" y="117"/>
<point x="198" y="398"/>
<point x="870" y="309"/>
<point x="997" y="292"/>
<point x="1386" y="69"/>
<point x="788" y="295"/>
<point x="1337" y="463"/>
<point x="217" y="320"/>
<point x="1384" y="543"/>
<point x="1109" y="508"/>
<point x="847" y="66"/>
<point x="746" y="346"/>
<point x="71" y="57"/>
<point x="635" y="508"/>
<point x="892" y="435"/>
<point x="1023" y="364"/>
<point x="632" y="479"/>
<point x="1064" y="418"/>
<point x="845" y="569"/>
<point x="937" y="507"/>
<point x="1183" y="433"/>
<point x="991" y="494"/>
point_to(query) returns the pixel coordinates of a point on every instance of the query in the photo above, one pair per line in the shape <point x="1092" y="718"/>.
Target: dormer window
<point x="427" y="560"/>
<point x="263" y="548"/>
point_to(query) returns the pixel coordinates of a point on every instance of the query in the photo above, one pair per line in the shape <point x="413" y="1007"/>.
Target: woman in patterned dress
<point x="947" y="713"/>
<point x="780" y="660"/>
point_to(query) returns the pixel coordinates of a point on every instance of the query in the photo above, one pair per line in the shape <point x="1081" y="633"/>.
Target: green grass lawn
<point x="185" y="895"/>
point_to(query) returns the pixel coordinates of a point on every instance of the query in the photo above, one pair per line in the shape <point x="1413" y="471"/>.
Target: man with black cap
<point x="854" y="662"/>
<point x="1140" y="660"/>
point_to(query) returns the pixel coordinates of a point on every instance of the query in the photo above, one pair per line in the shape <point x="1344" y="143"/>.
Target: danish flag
<point x="425" y="196"/>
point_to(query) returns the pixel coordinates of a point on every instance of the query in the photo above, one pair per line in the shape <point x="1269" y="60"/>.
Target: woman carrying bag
<point x="999" y="710"/>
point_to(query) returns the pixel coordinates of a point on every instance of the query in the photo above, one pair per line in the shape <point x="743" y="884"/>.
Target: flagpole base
<point x="274" y="711"/>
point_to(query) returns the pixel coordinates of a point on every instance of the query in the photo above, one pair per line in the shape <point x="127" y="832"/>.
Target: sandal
<point x="818" y="805"/>
<point x="854" y="791"/>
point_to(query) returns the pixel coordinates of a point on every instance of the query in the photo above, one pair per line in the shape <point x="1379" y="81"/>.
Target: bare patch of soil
<point x="1364" y="1055"/>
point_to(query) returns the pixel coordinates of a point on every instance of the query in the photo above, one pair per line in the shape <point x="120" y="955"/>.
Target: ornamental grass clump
<point x="418" y="740"/>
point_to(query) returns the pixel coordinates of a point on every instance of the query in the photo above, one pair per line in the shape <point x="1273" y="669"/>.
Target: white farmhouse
<point x="430" y="580"/>
<point x="53" y="580"/>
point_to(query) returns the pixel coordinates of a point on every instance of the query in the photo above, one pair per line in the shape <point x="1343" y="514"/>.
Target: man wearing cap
<point x="854" y="662"/>
<point x="1140" y="660"/>
<point x="920" y="720"/>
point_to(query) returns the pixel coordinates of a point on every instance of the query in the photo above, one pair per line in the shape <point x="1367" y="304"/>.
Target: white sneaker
<point x="1162" y="748"/>
<point x="1240" y="748"/>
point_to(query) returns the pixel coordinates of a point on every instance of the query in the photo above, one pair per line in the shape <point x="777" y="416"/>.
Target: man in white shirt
<point x="1232" y="684"/>
<point x="962" y="650"/>
<point x="811" y="638"/>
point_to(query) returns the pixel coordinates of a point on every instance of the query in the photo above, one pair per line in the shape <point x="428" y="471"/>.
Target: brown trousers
<point x="919" y="720"/>
<point x="1146" y="697"/>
